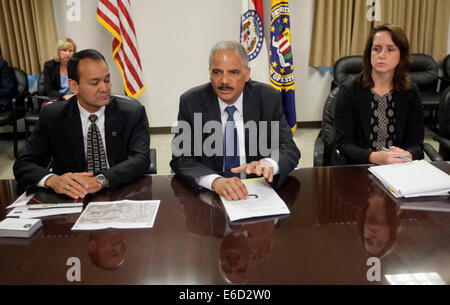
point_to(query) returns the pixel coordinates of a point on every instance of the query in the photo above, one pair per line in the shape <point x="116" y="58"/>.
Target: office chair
<point x="324" y="145"/>
<point x="423" y="71"/>
<point x="345" y="68"/>
<point x="33" y="105"/>
<point x="445" y="81"/>
<point x="152" y="168"/>
<point x="17" y="111"/>
<point x="443" y="136"/>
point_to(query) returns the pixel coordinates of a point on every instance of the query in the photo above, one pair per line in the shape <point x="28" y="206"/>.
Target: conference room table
<point x="343" y="228"/>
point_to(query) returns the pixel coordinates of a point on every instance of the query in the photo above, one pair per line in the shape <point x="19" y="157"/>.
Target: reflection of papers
<point x="125" y="214"/>
<point x="267" y="202"/>
<point x="438" y="204"/>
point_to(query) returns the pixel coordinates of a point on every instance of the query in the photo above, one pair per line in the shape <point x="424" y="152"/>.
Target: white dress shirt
<point x="85" y="123"/>
<point x="238" y="116"/>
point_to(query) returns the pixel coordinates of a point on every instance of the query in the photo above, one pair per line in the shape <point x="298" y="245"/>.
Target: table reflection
<point x="376" y="213"/>
<point x="107" y="249"/>
<point x="241" y="243"/>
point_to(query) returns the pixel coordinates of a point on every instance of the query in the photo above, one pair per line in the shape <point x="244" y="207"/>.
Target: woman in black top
<point x="55" y="71"/>
<point x="379" y="115"/>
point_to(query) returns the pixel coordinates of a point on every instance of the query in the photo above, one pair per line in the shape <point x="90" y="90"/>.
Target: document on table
<point x="24" y="212"/>
<point x="265" y="203"/>
<point x="413" y="179"/>
<point x="124" y="214"/>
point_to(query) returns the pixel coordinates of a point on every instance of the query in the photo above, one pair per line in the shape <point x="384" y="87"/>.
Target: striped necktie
<point x="96" y="157"/>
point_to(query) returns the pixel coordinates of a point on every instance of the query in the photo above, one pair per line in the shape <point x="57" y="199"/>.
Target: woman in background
<point x="379" y="116"/>
<point x="55" y="71"/>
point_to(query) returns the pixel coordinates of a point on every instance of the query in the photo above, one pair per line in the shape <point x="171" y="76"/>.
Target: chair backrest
<point x="444" y="114"/>
<point x="328" y="128"/>
<point x="41" y="84"/>
<point x="446" y="66"/>
<point x="347" y="67"/>
<point x="21" y="81"/>
<point x="424" y="72"/>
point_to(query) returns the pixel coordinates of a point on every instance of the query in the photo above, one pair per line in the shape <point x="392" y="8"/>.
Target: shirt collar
<point x="84" y="114"/>
<point x="237" y="104"/>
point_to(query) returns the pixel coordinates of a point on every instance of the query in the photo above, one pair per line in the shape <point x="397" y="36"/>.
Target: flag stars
<point x="282" y="71"/>
<point x="272" y="29"/>
<point x="285" y="20"/>
<point x="274" y="64"/>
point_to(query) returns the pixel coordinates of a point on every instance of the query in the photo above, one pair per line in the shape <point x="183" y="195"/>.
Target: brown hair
<point x="401" y="79"/>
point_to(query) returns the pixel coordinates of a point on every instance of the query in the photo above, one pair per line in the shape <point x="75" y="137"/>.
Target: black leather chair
<point x="446" y="71"/>
<point x="152" y="168"/>
<point x="17" y="110"/>
<point x="424" y="72"/>
<point x="443" y="136"/>
<point x="325" y="141"/>
<point x="33" y="106"/>
<point x="345" y="68"/>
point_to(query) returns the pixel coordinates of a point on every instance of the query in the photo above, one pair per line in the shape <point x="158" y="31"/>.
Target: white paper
<point x="413" y="179"/>
<point x="125" y="214"/>
<point x="268" y="202"/>
<point x="24" y="212"/>
<point x="21" y="201"/>
<point x="14" y="227"/>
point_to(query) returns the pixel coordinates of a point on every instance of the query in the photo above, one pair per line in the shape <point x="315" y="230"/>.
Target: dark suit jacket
<point x="58" y="134"/>
<point x="52" y="79"/>
<point x="7" y="83"/>
<point x="352" y="121"/>
<point x="261" y="103"/>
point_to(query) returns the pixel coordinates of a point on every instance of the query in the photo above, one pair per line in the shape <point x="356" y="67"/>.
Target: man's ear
<point x="73" y="85"/>
<point x="247" y="76"/>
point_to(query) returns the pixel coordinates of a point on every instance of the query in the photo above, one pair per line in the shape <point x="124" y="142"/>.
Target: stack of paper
<point x="14" y="227"/>
<point x="263" y="201"/>
<point x="413" y="179"/>
<point x="20" y="208"/>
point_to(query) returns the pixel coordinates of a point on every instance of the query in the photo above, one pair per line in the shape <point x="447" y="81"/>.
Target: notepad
<point x="16" y="227"/>
<point x="265" y="203"/>
<point x="413" y="179"/>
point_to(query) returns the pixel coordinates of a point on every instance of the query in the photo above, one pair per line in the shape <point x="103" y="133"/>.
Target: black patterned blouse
<point x="382" y="121"/>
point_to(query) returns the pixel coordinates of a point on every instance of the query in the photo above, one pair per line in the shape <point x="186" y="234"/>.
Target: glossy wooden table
<point x="340" y="217"/>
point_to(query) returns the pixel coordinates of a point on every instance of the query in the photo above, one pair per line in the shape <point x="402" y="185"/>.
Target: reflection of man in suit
<point x="75" y="133"/>
<point x="107" y="249"/>
<point x="232" y="99"/>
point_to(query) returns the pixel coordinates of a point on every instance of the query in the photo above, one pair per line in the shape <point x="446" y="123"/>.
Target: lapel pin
<point x="114" y="133"/>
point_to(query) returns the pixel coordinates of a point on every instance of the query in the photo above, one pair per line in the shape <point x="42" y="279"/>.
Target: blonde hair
<point x="62" y="44"/>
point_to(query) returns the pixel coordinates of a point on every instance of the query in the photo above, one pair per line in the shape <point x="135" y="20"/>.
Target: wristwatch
<point x="102" y="180"/>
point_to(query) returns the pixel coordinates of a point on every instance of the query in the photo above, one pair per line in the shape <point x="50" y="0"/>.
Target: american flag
<point x="115" y="17"/>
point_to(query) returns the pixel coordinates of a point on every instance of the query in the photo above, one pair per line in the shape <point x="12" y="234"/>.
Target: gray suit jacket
<point x="261" y="103"/>
<point x="58" y="134"/>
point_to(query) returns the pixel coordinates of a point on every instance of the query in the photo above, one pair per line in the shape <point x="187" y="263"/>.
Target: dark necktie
<point x="230" y="145"/>
<point x="96" y="157"/>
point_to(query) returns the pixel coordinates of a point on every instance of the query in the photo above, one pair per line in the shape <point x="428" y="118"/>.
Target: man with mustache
<point x="234" y="102"/>
<point x="96" y="140"/>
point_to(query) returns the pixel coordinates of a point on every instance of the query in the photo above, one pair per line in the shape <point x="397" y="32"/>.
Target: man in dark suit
<point x="251" y="134"/>
<point x="7" y="85"/>
<point x="72" y="132"/>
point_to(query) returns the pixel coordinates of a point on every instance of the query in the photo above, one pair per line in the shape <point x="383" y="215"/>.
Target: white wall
<point x="174" y="38"/>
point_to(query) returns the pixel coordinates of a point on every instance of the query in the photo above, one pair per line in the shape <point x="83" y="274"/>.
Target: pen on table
<point x="404" y="158"/>
<point x="253" y="196"/>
